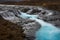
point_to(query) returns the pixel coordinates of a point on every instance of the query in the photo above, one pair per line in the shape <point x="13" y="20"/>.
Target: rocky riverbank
<point x="12" y="14"/>
<point x="10" y="31"/>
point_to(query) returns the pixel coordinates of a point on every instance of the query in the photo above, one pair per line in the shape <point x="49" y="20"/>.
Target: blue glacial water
<point x="47" y="30"/>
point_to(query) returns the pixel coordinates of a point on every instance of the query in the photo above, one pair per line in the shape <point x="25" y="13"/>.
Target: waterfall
<point x="47" y="30"/>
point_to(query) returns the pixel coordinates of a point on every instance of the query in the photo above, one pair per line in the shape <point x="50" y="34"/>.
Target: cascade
<point x="47" y="30"/>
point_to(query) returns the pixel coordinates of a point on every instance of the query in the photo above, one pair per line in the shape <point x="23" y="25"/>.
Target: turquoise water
<point x="47" y="30"/>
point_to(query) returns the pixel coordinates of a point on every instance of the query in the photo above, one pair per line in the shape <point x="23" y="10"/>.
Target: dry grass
<point x="10" y="31"/>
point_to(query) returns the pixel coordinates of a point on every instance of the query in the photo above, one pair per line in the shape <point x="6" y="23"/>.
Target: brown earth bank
<point x="10" y="31"/>
<point x="50" y="4"/>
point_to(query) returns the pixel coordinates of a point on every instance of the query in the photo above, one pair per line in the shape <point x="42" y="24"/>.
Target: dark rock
<point x="25" y="9"/>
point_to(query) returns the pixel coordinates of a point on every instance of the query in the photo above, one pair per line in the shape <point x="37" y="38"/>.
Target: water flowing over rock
<point x="36" y="21"/>
<point x="46" y="29"/>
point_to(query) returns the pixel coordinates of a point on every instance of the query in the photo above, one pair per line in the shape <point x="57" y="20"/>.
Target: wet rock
<point x="30" y="26"/>
<point x="25" y="9"/>
<point x="35" y="11"/>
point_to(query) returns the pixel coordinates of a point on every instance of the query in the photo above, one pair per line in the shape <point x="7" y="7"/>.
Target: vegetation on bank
<point x="10" y="31"/>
